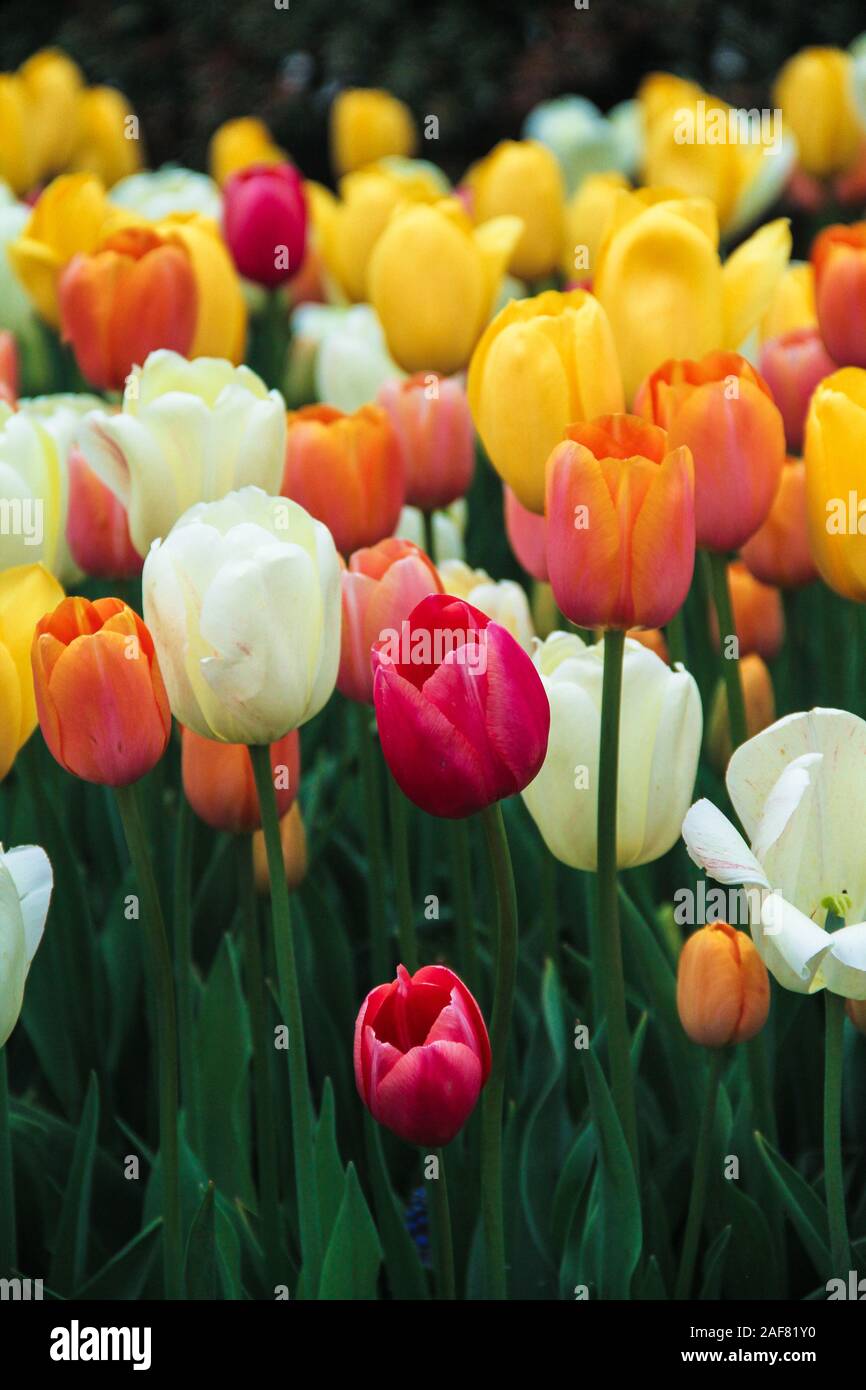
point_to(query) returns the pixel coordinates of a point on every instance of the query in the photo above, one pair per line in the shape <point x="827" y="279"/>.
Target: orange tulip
<point x="723" y="989"/>
<point x="620" y="523"/>
<point x="134" y="294"/>
<point x="839" y="263"/>
<point x="651" y="637"/>
<point x="219" y="785"/>
<point x="347" y="471"/>
<point x="760" y="702"/>
<point x="724" y="411"/>
<point x="293" y="838"/>
<point x="101" y="702"/>
<point x="778" y="552"/>
<point x="97" y="525"/>
<point x="381" y="586"/>
<point x="759" y="618"/>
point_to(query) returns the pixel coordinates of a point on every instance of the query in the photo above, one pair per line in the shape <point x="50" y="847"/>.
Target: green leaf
<point x="330" y="1178"/>
<point x="544" y="1137"/>
<point x="621" y="1234"/>
<point x="224" y="1049"/>
<point x="125" y="1274"/>
<point x="651" y="1284"/>
<point x="805" y="1209"/>
<point x="714" y="1265"/>
<point x="70" y="1246"/>
<point x="201" y="1252"/>
<point x="402" y="1262"/>
<point x="354" y="1252"/>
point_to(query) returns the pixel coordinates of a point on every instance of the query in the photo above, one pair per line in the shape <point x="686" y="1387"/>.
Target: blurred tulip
<point x="221" y="322"/>
<point x="527" y="535"/>
<point x="188" y="432"/>
<point x="448" y="529"/>
<point x="109" y="144"/>
<point x="346" y="470"/>
<point x="68" y="218"/>
<point x="723" y="990"/>
<point x="34" y="490"/>
<point x="101" y="702"/>
<point x="792" y="366"/>
<point x="26" y="883"/>
<point x="19" y="166"/>
<point x="759" y="618"/>
<point x="265" y="222"/>
<point x="834" y="450"/>
<point x="541" y="365"/>
<point x="724" y="412"/>
<point x="8" y="368"/>
<point x="588" y="215"/>
<point x="26" y="593"/>
<point x="55" y="87"/>
<point x="219" y="785"/>
<point x="158" y="193"/>
<point x="660" y="735"/>
<point x="620" y="523"/>
<point x="452" y="743"/>
<point x="422" y="1055"/>
<point x="504" y="601"/>
<point x="380" y="588"/>
<point x="352" y="361"/>
<point x="97" y="527"/>
<point x="16" y="309"/>
<point x="778" y="552"/>
<point x="856" y="1011"/>
<point x="653" y="639"/>
<point x="432" y="422"/>
<point x="237" y="144"/>
<point x="584" y="141"/>
<point x="792" y="304"/>
<point x="521" y="178"/>
<point x="367" y="124"/>
<point x="760" y="703"/>
<point x="293" y="838"/>
<point x="433" y="280"/>
<point x="839" y="263"/>
<point x="815" y="92"/>
<point x="243" y="600"/>
<point x="60" y="417"/>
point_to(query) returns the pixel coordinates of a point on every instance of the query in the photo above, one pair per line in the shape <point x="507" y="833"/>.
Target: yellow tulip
<point x="834" y="450"/>
<point x="542" y="364"/>
<point x="366" y="125"/>
<point x="815" y="92"/>
<point x="587" y="216"/>
<point x="661" y="280"/>
<point x="433" y="281"/>
<point x="69" y="217"/>
<point x="55" y="86"/>
<point x="793" y="302"/>
<point x="239" y="143"/>
<point x="221" y="325"/>
<point x="109" y="142"/>
<point x="27" y="592"/>
<point x="18" y="166"/>
<point x="522" y="178"/>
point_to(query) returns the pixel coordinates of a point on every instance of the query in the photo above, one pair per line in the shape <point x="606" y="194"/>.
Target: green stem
<point x="834" y="1181"/>
<point x="166" y="1030"/>
<point x="380" y="954"/>
<point x="183" y="970"/>
<point x="676" y="635"/>
<point x="397" y="806"/>
<point x="275" y="338"/>
<point x="549" y="908"/>
<point x="461" y="874"/>
<point x="290" y="1002"/>
<point x="609" y="959"/>
<point x="444" y="1242"/>
<point x="266" y="1130"/>
<point x="8" y="1238"/>
<point x="429" y="535"/>
<point x="695" y="1218"/>
<point x="503" y="1001"/>
<point x="718" y="566"/>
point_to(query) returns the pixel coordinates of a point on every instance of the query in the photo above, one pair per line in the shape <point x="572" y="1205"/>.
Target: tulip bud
<point x="103" y="146"/>
<point x="68" y="217"/>
<point x="368" y="124"/>
<point x="237" y="144"/>
<point x="527" y="535"/>
<point x="792" y="304"/>
<point x="101" y="702"/>
<point x="814" y="91"/>
<point x="26" y="593"/>
<point x="26" y="882"/>
<point x="760" y="703"/>
<point x="422" y="1055"/>
<point x="759" y="618"/>
<point x="653" y="639"/>
<point x="265" y="222"/>
<point x="778" y="552"/>
<point x="839" y="263"/>
<point x="97" y="527"/>
<point x="723" y="989"/>
<point x="431" y="419"/>
<point x="380" y="588"/>
<point x="219" y="785"/>
<point x="522" y="178"/>
<point x="792" y="366"/>
<point x="293" y="838"/>
<point x="856" y="1011"/>
<point x="834" y="451"/>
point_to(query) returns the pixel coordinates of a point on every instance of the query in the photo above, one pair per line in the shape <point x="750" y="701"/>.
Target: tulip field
<point x="433" y="706"/>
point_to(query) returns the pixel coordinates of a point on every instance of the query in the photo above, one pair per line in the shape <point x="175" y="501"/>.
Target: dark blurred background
<point x="186" y="66"/>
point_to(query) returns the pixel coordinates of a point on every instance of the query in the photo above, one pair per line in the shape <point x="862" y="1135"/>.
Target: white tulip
<point x="660" y="740"/>
<point x="504" y="600"/>
<point x="353" y="361"/>
<point x="449" y="529"/>
<point x="25" y="892"/>
<point x="158" y="193"/>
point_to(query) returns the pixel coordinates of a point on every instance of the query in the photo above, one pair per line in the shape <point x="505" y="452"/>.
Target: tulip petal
<point x="791" y="946"/>
<point x="716" y="845"/>
<point x="429" y="1094"/>
<point x="33" y="877"/>
<point x="843" y="969"/>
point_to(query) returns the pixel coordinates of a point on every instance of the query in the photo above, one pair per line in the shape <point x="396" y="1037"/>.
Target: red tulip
<point x="8" y="368"/>
<point x="97" y="526"/>
<point x="433" y="424"/>
<point x="527" y="535"/>
<point x="839" y="263"/>
<point x="422" y="1055"/>
<point x="792" y="365"/>
<point x="463" y="716"/>
<point x="381" y="587"/>
<point x="265" y="222"/>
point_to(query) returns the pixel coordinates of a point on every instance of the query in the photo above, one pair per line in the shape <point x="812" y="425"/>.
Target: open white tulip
<point x="799" y="789"/>
<point x="660" y="740"/>
<point x="26" y="881"/>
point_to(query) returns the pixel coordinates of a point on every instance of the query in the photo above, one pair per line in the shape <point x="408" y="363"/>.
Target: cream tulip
<point x="26" y="881"/>
<point x="33" y="493"/>
<point x="503" y="600"/>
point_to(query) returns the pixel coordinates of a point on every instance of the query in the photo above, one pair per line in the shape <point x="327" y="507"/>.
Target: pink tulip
<point x="381" y="586"/>
<point x="433" y="424"/>
<point x="265" y="222"/>
<point x="527" y="536"/>
<point x="792" y="365"/>
<point x="97" y="526"/>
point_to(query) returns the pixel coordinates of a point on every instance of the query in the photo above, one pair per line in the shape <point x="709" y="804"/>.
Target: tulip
<point x="8" y="368"/>
<point x="380" y="588"/>
<point x="856" y="1011"/>
<point x="68" y="218"/>
<point x="433" y="280"/>
<point x="452" y="746"/>
<point x="778" y="553"/>
<point x="293" y="839"/>
<point x="792" y="304"/>
<point x="839" y="263"/>
<point x="108" y="144"/>
<point x="243" y="600"/>
<point x="620" y="524"/>
<point x="367" y="124"/>
<point x="158" y="193"/>
<point x="101" y="702"/>
<point x="724" y="412"/>
<point x="542" y="364"/>
<point x="503" y="601"/>
<point x="792" y="365"/>
<point x="814" y="91"/>
<point x="584" y="141"/>
<point x="58" y="422"/>
<point x="16" y="310"/>
<point x="26" y="593"/>
<point x="265" y="222"/>
<point x="346" y="470"/>
<point x="133" y="295"/>
<point x="237" y="144"/>
<point x="18" y="154"/>
<point x="834" y="450"/>
<point x="54" y="85"/>
<point x="521" y="178"/>
<point x="221" y="323"/>
<point x="444" y="531"/>
<point x="97" y="527"/>
<point x="723" y="990"/>
<point x="759" y="618"/>
<point x="527" y="536"/>
<point x="588" y="215"/>
<point x="34" y="492"/>
<point x="188" y="432"/>
<point x="760" y="706"/>
<point x="432" y="422"/>
<point x="219" y="785"/>
<point x="351" y="362"/>
<point x="422" y="1055"/>
<point x="26" y="883"/>
<point x="660" y="744"/>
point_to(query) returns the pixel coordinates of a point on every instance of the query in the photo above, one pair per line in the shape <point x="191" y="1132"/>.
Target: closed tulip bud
<point x="724" y="412"/>
<point x="620" y="523"/>
<point x="792" y="366"/>
<point x="8" y="368"/>
<point x="346" y="470"/>
<point x="792" y="304"/>
<point x="435" y="435"/>
<point x="502" y="600"/>
<point x="97" y="527"/>
<point x="101" y="702"/>
<point x="26" y="593"/>
<point x="856" y="1011"/>
<point x="522" y="178"/>
<point x="760" y="703"/>
<point x="265" y="221"/>
<point x="108" y="143"/>
<point x="26" y="882"/>
<point x="814" y="90"/>
<point x="367" y="124"/>
<point x="759" y="618"/>
<point x="723" y="989"/>
<point x="380" y="588"/>
<point x="588" y="215"/>
<point x="527" y="536"/>
<point x="219" y="785"/>
<point x="834" y="450"/>
<point x="158" y="193"/>
<point x="453" y="745"/>
<point x="351" y="363"/>
<point x="542" y="364"/>
<point x="221" y="320"/>
<point x="19" y="166"/>
<point x="243" y="600"/>
<point x="293" y="838"/>
<point x="422" y="1055"/>
<point x="778" y="552"/>
<point x="68" y="218"/>
<point x="839" y="263"/>
<point x="433" y="279"/>
<point x="237" y="144"/>
<point x="660" y="740"/>
<point x="55" y="86"/>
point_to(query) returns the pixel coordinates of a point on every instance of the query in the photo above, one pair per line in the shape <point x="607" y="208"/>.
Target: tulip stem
<point x="609" y="960"/>
<point x="8" y="1238"/>
<point x="721" y="592"/>
<point x="370" y="782"/>
<point x="266" y="1130"/>
<point x="290" y="1002"/>
<point x="444" y="1243"/>
<point x="676" y="635"/>
<point x="695" y="1218"/>
<point x="834" y="1180"/>
<point x="429" y="535"/>
<point x="461" y="871"/>
<point x="183" y="968"/>
<point x="398" y="808"/>
<point x="166" y="1028"/>
<point x="503" y="1000"/>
